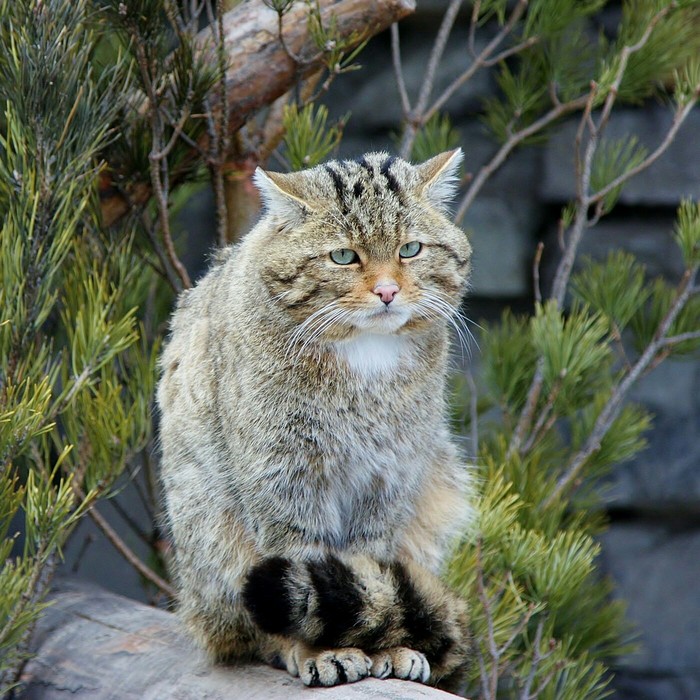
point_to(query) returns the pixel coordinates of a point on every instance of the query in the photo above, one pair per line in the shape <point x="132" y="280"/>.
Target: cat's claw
<point x="401" y="662"/>
<point x="335" y="667"/>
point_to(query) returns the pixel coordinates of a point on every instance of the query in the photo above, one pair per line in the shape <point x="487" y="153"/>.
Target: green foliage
<point x="437" y="135"/>
<point x="612" y="159"/>
<point x="564" y="55"/>
<point x="308" y="140"/>
<point x="574" y="350"/>
<point x="65" y="319"/>
<point x="547" y="19"/>
<point x="687" y="231"/>
<point x="337" y="51"/>
<point x="674" y="42"/>
<point x="616" y="288"/>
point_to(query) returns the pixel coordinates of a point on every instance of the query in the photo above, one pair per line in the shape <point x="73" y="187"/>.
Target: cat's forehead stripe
<point x="362" y="176"/>
<point x="339" y="187"/>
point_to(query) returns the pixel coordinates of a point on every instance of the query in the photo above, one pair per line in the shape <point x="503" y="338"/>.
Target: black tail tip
<point x="266" y="595"/>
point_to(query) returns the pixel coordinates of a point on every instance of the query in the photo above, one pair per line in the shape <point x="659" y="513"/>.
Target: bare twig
<point x="129" y="555"/>
<point x="536" y="272"/>
<point x="479" y="61"/>
<point x="545" y="419"/>
<point x="473" y="23"/>
<point x="680" y="338"/>
<point x="528" y="412"/>
<point x="506" y="53"/>
<point x="159" y="164"/>
<point x="438" y="50"/>
<point x="585" y="166"/>
<point x="398" y="70"/>
<point x="680" y="116"/>
<point x="537" y="658"/>
<point x="505" y="150"/>
<point x="416" y="118"/>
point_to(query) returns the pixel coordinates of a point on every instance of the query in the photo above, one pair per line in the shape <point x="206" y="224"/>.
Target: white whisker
<point x="440" y="304"/>
<point x="308" y="332"/>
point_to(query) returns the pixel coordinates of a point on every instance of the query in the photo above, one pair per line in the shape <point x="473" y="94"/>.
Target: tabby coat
<point x="311" y="484"/>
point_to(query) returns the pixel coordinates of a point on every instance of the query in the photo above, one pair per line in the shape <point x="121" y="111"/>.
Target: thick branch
<point x="259" y="68"/>
<point x="99" y="645"/>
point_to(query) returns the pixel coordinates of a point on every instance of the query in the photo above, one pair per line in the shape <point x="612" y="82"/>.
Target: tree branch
<point x="259" y="70"/>
<point x="513" y="141"/>
<point x="129" y="555"/>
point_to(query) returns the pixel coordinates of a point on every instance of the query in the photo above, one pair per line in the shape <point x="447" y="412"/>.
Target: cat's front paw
<point x="335" y="667"/>
<point x="400" y="662"/>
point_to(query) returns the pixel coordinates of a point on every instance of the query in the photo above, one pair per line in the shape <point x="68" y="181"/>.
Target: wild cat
<point x="311" y="483"/>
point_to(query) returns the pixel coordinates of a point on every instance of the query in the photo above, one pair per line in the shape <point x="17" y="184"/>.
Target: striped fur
<point x="311" y="484"/>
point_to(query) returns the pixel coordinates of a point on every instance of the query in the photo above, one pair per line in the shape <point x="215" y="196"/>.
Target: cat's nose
<point x="386" y="291"/>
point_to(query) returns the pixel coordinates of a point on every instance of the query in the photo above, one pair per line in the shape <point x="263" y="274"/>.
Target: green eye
<point x="344" y="256"/>
<point x="410" y="250"/>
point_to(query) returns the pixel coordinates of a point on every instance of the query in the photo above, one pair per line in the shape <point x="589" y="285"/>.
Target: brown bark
<point x="94" y="644"/>
<point x="261" y="69"/>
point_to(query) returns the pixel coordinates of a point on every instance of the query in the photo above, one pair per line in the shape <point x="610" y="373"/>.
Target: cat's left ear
<point x="439" y="177"/>
<point x="281" y="194"/>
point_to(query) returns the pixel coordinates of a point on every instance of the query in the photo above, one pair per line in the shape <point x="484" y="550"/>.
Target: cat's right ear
<point x="279" y="192"/>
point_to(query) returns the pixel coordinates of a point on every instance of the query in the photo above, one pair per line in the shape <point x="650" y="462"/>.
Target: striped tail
<point x="355" y="601"/>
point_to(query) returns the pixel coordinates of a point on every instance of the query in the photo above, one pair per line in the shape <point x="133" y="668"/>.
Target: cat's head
<point x="363" y="245"/>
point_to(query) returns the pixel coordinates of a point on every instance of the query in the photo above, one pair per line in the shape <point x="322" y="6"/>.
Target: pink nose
<point x="386" y="291"/>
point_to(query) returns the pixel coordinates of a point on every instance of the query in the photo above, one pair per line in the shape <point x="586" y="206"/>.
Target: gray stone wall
<point x="652" y="549"/>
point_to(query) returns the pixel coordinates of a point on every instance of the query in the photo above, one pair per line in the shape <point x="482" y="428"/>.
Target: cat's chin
<point x="382" y="322"/>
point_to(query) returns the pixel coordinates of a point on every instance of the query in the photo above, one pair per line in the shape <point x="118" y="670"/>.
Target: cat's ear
<point x="280" y="193"/>
<point x="439" y="177"/>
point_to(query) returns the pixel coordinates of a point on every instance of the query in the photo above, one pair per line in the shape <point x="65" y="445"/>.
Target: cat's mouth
<point x="385" y="319"/>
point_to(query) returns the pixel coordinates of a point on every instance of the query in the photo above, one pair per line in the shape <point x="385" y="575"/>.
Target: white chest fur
<point x="372" y="354"/>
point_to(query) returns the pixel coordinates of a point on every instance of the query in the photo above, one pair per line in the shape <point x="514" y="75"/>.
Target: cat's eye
<point x="344" y="256"/>
<point x="410" y="250"/>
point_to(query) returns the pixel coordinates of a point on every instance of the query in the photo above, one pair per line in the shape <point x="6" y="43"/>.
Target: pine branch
<point x="681" y="338"/>
<point x="614" y="404"/>
<point x="563" y="273"/>
<point x="584" y="167"/>
<point x="420" y="114"/>
<point x="678" y="119"/>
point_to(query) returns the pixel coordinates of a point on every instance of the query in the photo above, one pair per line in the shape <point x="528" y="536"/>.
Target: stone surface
<point x="656" y="568"/>
<point x="674" y="176"/>
<point x="665" y="476"/>
<point x="501" y="233"/>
